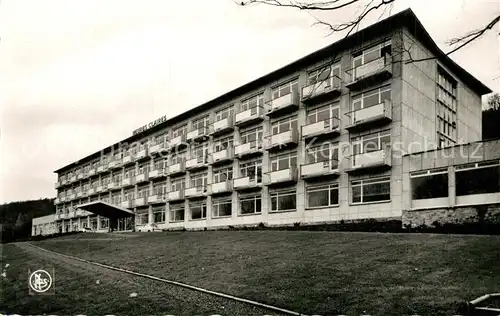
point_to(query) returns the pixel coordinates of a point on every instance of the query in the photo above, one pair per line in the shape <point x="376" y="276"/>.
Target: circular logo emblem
<point x="40" y="281"/>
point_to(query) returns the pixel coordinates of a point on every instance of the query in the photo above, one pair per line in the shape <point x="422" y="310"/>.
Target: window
<point x="286" y="161"/>
<point x="371" y="54"/>
<point x="177" y="157"/>
<point x="160" y="139"/>
<point x="222" y="207"/>
<point x="142" y="218"/>
<point x="252" y="103"/>
<point x="478" y="178"/>
<point x="104" y="222"/>
<point x="371" y="190"/>
<point x="177" y="212"/>
<point x="284" y="125"/>
<point x="178" y="184"/>
<point x="284" y="201"/>
<point x="371" y="98"/>
<point x="143" y="145"/>
<point x="371" y="142"/>
<point x="179" y="131"/>
<point x="116" y="199"/>
<point x="322" y="74"/>
<point x="223" y="144"/>
<point x="143" y="192"/>
<point x="222" y="175"/>
<point x="198" y="210"/>
<point x="285" y="88"/>
<point x="105" y="180"/>
<point x="323" y="195"/>
<point x="201" y="124"/>
<point x="253" y="137"/>
<point x="325" y="152"/>
<point x="117" y="177"/>
<point x="328" y="114"/>
<point x="159" y="215"/>
<point x="252" y="169"/>
<point x="429" y="184"/>
<point x="129" y="195"/>
<point x="200" y="152"/>
<point x="250" y="204"/>
<point x="224" y="113"/>
<point x="199" y="180"/>
<point x="160" y="164"/>
<point x="446" y="109"/>
<point x="160" y="188"/>
<point x="129" y="173"/>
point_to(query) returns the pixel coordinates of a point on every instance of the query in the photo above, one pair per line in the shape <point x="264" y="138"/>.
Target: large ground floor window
<point x="371" y="190"/>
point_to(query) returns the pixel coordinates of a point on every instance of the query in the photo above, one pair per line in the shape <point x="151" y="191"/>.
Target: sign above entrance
<point x="150" y="125"/>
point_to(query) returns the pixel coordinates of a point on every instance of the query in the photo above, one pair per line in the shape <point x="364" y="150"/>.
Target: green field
<point x="313" y="272"/>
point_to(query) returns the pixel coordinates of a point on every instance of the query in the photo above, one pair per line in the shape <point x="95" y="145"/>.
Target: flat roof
<point x="105" y="209"/>
<point x="404" y="18"/>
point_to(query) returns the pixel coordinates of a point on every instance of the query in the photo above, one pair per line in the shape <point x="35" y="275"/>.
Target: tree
<point x="491" y="117"/>
<point x="372" y="6"/>
<point x="493" y="102"/>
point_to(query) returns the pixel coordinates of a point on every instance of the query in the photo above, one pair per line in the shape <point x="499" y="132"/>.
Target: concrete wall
<point x="44" y="225"/>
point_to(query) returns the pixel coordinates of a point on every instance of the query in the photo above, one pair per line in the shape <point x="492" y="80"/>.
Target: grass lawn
<point x="324" y="273"/>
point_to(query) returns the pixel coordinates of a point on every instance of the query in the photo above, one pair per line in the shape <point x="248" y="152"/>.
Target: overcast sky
<point x="78" y="75"/>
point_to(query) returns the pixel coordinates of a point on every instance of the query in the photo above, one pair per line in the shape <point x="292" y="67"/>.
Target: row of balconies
<point x="356" y="163"/>
<point x="364" y="74"/>
<point x="72" y="214"/>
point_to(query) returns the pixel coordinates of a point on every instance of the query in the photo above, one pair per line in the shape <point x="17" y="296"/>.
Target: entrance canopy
<point x="105" y="209"/>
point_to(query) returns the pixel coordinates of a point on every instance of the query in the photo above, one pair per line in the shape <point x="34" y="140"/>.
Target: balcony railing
<point x="176" y="195"/>
<point x="195" y="191"/>
<point x="223" y="155"/>
<point x="286" y="102"/>
<point x="91" y="190"/>
<point x="127" y="204"/>
<point x="377" y="114"/>
<point x="142" y="177"/>
<point x="176" y="168"/>
<point x="221" y="187"/>
<point x="80" y="176"/>
<point x="197" y="162"/>
<point x="248" y="148"/>
<point x="284" y="175"/>
<point x="79" y="194"/>
<point x="323" y="88"/>
<point x="325" y="127"/>
<point x="128" y="181"/>
<point x="249" y="116"/>
<point x="319" y="169"/>
<point x="128" y="159"/>
<point x="140" y="201"/>
<point x="114" y="185"/>
<point x="157" y="198"/>
<point x="371" y="160"/>
<point x="153" y="149"/>
<point x="282" y="139"/>
<point x="102" y="168"/>
<point x="142" y="153"/>
<point x="378" y="69"/>
<point x="115" y="163"/>
<point x="71" y="196"/>
<point x="73" y="178"/>
<point x="92" y="171"/>
<point x="221" y="126"/>
<point x="198" y="133"/>
<point x="176" y="141"/>
<point x="157" y="173"/>
<point x="247" y="182"/>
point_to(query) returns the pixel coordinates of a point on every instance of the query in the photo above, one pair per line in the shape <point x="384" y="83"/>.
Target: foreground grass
<point x="315" y="272"/>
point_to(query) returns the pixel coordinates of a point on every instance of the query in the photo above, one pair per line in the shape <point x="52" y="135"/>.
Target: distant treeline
<point x="16" y="217"/>
<point x="491" y="123"/>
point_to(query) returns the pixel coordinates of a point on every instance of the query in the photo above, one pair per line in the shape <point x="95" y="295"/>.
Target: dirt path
<point x="189" y="301"/>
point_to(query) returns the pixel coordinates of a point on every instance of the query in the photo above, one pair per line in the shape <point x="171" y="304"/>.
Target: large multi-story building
<point x="319" y="140"/>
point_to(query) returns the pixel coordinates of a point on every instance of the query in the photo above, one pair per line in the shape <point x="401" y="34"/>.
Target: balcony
<point x="177" y="168"/>
<point x="156" y="199"/>
<point x="281" y="140"/>
<point x="66" y="215"/>
<point x="79" y="194"/>
<point x="283" y="104"/>
<point x="221" y="187"/>
<point x="80" y="176"/>
<point x="177" y="141"/>
<point x="157" y="173"/>
<point x="59" y="216"/>
<point x="375" y="160"/>
<point x="319" y="169"/>
<point x="92" y="172"/>
<point x="283" y="176"/>
<point x="376" y="115"/>
<point x="73" y="178"/>
<point x="176" y="195"/>
<point x="329" y="127"/>
<point x="197" y="163"/>
<point x="321" y="90"/>
<point x="140" y="201"/>
<point x="99" y="188"/>
<point x="249" y="116"/>
<point x="128" y="159"/>
<point x="197" y="134"/>
<point x="71" y="196"/>
<point x="129" y="181"/>
<point x="223" y="155"/>
<point x="195" y="191"/>
<point x="64" y="181"/>
<point x="142" y="177"/>
<point x="248" y="148"/>
<point x="222" y="126"/>
<point x="154" y="149"/>
<point x="113" y="185"/>
<point x="127" y="204"/>
<point x="57" y="201"/>
<point x="243" y="183"/>
<point x="370" y="73"/>
<point x="101" y="168"/>
<point x="91" y="190"/>
<point x="115" y="163"/>
<point x="64" y="198"/>
<point x="142" y="153"/>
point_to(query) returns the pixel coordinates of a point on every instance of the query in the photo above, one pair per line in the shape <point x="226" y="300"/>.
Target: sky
<point x="77" y="76"/>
